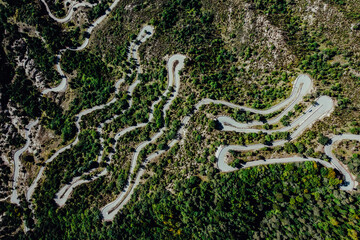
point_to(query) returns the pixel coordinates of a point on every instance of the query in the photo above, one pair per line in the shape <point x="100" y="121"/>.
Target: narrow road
<point x="17" y="163"/>
<point x="302" y="86"/>
<point x="63" y="84"/>
<point x="64" y="193"/>
<point x="286" y="160"/>
<point x="111" y="209"/>
<point x="70" y="13"/>
<point x="145" y="33"/>
<point x="323" y="107"/>
<point x="349" y="183"/>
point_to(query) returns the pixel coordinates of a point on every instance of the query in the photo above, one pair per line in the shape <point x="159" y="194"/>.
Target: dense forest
<point x="276" y="201"/>
<point x="246" y="52"/>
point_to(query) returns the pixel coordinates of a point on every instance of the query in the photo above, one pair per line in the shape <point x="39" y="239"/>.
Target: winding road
<point x="72" y="9"/>
<point x="323" y="107"/>
<point x="302" y="86"/>
<point x="17" y="163"/>
<point x="64" y="81"/>
<point x="350" y="182"/>
<point x="145" y="33"/>
<point x="311" y="115"/>
<point x="110" y="210"/>
<point x="64" y="193"/>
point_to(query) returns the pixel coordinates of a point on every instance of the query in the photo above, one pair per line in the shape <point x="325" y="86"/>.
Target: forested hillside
<point x="179" y="119"/>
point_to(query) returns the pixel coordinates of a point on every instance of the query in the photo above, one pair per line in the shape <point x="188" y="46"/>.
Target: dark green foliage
<point x="30" y="12"/>
<point x="90" y="80"/>
<point x="10" y="220"/>
<point x="6" y="70"/>
<point x="323" y="140"/>
<point x="267" y="202"/>
<point x="339" y="2"/>
<point x="243" y="203"/>
<point x="27" y="96"/>
<point x="44" y="59"/>
<point x="214" y="124"/>
<point x="99" y="10"/>
<point x="81" y="158"/>
<point x="169" y="15"/>
<point x="301" y="148"/>
<point x="285" y="120"/>
<point x="33" y="104"/>
<point x="272" y="6"/>
<point x="290" y="148"/>
<point x="5" y="176"/>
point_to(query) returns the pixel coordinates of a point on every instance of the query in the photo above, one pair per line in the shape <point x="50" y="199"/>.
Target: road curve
<point x="63" y="84"/>
<point x="350" y="182"/>
<point x="70" y="13"/>
<point x="64" y="193"/>
<point x="323" y="107"/>
<point x="145" y="33"/>
<point x="111" y="209"/>
<point x="17" y="164"/>
<point x="302" y="86"/>
<point x="286" y="160"/>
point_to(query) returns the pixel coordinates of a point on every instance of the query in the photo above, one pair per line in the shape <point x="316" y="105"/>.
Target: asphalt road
<point x="17" y="163"/>
<point x="70" y="13"/>
<point x="145" y="33"/>
<point x="302" y="86"/>
<point x="110" y="210"/>
<point x="63" y="84"/>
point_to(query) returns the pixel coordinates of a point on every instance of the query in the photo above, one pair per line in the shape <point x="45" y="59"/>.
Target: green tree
<point x="323" y="140"/>
<point x="290" y="147"/>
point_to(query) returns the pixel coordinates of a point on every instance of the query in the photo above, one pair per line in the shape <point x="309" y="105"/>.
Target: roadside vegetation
<point x="246" y="52"/>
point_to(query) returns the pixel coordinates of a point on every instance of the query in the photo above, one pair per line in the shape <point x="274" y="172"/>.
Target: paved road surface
<point x="17" y="163"/>
<point x="144" y="34"/>
<point x="109" y="211"/>
<point x="302" y="86"/>
<point x="64" y="193"/>
<point x="62" y="86"/>
<point x="70" y="13"/>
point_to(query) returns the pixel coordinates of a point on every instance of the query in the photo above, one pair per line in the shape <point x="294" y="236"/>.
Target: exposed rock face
<point x="23" y="60"/>
<point x="271" y="36"/>
<point x="12" y="120"/>
<point x="5" y="173"/>
<point x="8" y="132"/>
<point x="10" y="117"/>
<point x="9" y="136"/>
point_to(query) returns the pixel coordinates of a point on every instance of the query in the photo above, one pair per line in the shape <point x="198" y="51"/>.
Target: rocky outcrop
<point x="271" y="36"/>
<point x="22" y="60"/>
